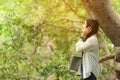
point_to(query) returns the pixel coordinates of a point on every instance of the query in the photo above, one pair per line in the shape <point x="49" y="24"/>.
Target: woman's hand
<point x="80" y="40"/>
<point x="86" y="31"/>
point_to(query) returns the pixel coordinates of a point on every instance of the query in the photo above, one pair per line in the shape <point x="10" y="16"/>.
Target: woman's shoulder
<point x="93" y="37"/>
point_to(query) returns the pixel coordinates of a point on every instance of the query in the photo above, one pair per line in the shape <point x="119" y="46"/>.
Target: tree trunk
<point x="109" y="21"/>
<point x="117" y="64"/>
<point x="106" y="16"/>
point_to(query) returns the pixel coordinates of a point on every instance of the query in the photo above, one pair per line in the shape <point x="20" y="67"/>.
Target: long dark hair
<point x="94" y="26"/>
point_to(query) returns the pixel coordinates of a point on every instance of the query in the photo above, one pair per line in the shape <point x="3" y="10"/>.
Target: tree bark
<point x="109" y="21"/>
<point x="117" y="64"/>
<point x="106" y="57"/>
<point x="107" y="18"/>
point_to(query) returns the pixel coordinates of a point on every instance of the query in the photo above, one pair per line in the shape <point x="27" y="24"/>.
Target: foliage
<point x="37" y="38"/>
<point x="59" y="67"/>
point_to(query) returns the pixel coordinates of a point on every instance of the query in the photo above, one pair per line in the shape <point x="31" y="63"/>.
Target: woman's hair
<point x="94" y="26"/>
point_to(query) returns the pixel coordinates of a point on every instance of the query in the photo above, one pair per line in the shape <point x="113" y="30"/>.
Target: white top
<point x="90" y="57"/>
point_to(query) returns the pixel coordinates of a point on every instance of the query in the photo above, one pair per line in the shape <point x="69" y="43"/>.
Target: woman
<point x="88" y="45"/>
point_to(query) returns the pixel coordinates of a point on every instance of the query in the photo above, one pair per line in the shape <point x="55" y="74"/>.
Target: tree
<point x="109" y="22"/>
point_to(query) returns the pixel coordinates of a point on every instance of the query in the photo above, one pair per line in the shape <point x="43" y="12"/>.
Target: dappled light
<point x="38" y="37"/>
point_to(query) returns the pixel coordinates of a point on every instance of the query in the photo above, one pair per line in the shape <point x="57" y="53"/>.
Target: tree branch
<point x="107" y="57"/>
<point x="35" y="50"/>
<point x="103" y="45"/>
<point x="73" y="10"/>
<point x="63" y="28"/>
<point x="65" y="19"/>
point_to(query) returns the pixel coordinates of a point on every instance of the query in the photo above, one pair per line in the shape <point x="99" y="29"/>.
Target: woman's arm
<point x="89" y="44"/>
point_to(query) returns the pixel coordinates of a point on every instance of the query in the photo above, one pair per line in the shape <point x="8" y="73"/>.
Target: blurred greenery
<point x="37" y="39"/>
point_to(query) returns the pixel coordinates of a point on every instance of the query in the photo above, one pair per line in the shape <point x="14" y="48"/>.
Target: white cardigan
<point x="90" y="57"/>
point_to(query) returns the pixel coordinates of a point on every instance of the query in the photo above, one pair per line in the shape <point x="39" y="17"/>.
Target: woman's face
<point x="84" y="26"/>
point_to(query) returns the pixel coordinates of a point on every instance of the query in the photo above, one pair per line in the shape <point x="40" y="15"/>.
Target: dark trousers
<point x="91" y="77"/>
